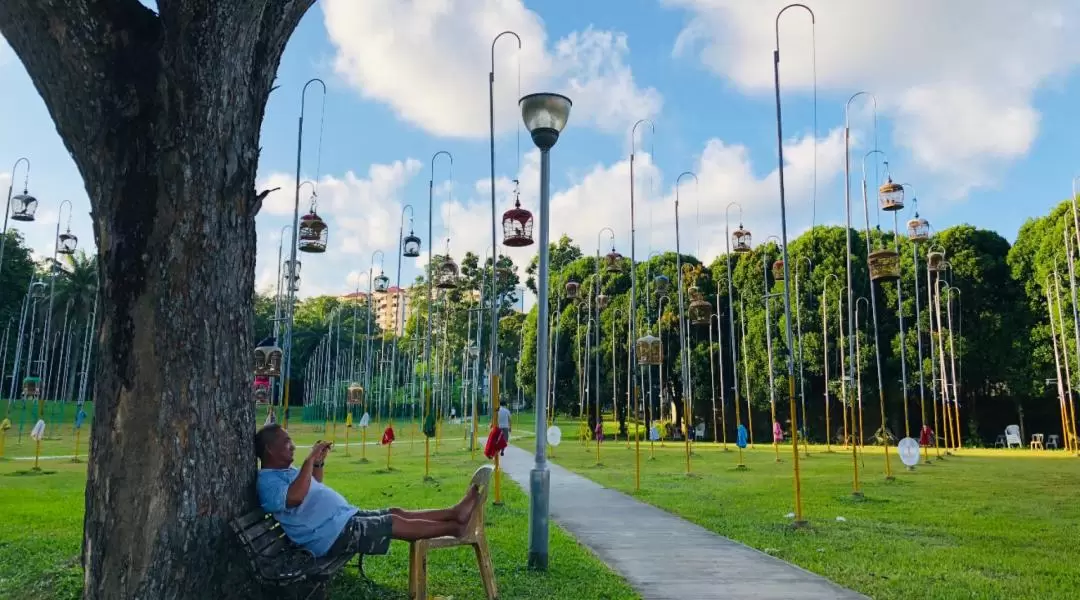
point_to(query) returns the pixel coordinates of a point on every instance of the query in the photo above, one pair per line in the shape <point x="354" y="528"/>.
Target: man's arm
<point x="317" y="471"/>
<point x="300" y="486"/>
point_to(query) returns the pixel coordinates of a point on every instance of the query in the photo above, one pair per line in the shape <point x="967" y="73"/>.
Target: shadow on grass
<point x="30" y="473"/>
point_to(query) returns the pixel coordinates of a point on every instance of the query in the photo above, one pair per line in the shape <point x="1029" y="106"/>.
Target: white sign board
<point x="554" y="435"/>
<point x="909" y="451"/>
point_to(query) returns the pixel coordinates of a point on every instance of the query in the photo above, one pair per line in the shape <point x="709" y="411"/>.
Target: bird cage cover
<point x="602" y="300"/>
<point x="649" y="350"/>
<point x="261" y="391"/>
<point x="356" y="394"/>
<point x="884" y="266"/>
<point x="935" y="261"/>
<point x="891" y="196"/>
<point x="517" y="227"/>
<point x="410" y="246"/>
<point x="267" y="361"/>
<point x="275" y="356"/>
<point x="741" y="240"/>
<point x="572" y="289"/>
<point x="612" y="261"/>
<point x="918" y="229"/>
<point x="778" y="270"/>
<point x="446" y="274"/>
<point x="313" y="233"/>
<point x="31" y="386"/>
<point x="382" y="283"/>
<point x="23" y="207"/>
<point x="700" y="311"/>
<point x="67" y="243"/>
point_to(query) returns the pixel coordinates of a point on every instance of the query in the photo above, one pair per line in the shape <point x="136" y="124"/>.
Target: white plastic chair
<point x="1012" y="436"/>
<point x="699" y="431"/>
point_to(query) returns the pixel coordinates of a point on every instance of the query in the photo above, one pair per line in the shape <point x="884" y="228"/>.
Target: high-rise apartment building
<point x="385" y="308"/>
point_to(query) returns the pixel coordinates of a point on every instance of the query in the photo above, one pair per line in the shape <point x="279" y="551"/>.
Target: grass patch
<point x="41" y="539"/>
<point x="982" y="524"/>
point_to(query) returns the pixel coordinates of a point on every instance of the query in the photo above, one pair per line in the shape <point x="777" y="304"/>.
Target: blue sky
<point x="973" y="109"/>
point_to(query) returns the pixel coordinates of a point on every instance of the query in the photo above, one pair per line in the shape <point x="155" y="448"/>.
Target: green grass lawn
<point x="983" y="524"/>
<point x="42" y="524"/>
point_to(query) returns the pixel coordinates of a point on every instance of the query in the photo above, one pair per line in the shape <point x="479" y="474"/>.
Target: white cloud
<point x="958" y="77"/>
<point x="429" y="60"/>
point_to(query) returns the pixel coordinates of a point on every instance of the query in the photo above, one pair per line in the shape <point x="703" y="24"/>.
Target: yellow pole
<point x="494" y="377"/>
<point x="740" y="466"/>
<point x="3" y="440"/>
<point x="347" y="427"/>
<point x="388" y="445"/>
<point x="885" y="437"/>
<point x="856" y="489"/>
<point x="937" y="433"/>
<point x="948" y="425"/>
<point x="285" y="417"/>
<point x="686" y="431"/>
<point x="799" y="522"/>
<point x="775" y="442"/>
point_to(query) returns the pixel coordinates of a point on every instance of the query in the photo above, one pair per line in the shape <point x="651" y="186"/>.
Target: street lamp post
<point x="742" y="245"/>
<point x="683" y="345"/>
<point x="544" y="115"/>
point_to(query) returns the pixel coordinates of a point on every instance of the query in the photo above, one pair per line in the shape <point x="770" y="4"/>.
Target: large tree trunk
<point x="162" y="115"/>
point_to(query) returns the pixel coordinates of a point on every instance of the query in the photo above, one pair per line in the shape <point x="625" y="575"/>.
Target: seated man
<point x="320" y="520"/>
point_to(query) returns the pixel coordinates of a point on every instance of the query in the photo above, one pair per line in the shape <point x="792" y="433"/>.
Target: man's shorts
<point x="366" y="532"/>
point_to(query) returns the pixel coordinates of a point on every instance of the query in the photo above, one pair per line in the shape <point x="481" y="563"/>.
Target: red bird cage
<point x="313" y="233"/>
<point x="613" y="262"/>
<point x="741" y="240"/>
<point x="517" y="227"/>
<point x="778" y="270"/>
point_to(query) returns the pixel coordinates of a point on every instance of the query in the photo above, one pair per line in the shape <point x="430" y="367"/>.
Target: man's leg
<point x="459" y="513"/>
<point x="410" y="530"/>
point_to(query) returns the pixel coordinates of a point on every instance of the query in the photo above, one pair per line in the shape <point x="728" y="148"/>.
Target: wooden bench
<point x="281" y="565"/>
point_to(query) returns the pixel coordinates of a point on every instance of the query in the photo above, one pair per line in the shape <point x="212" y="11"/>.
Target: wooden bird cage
<point x="918" y="229"/>
<point x="355" y="394"/>
<point x="884" y="265"/>
<point x="67" y="243"/>
<point x="446" y="274"/>
<point x="740" y="240"/>
<point x="268" y="361"/>
<point x="891" y="196"/>
<point x="649" y="351"/>
<point x="23" y="207"/>
<point x="778" y="270"/>
<point x="935" y="261"/>
<point x="313" y="233"/>
<point x="517" y="227"/>
<point x="571" y="288"/>
<point x="613" y="262"/>
<point x="602" y="301"/>
<point x="410" y="246"/>
<point x="699" y="311"/>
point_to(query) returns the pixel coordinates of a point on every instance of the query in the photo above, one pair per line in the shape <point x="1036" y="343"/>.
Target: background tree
<point x="161" y="113"/>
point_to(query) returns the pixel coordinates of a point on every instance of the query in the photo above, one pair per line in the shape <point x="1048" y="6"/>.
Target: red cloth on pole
<point x="388" y="436"/>
<point x="496" y="442"/>
<point x="926" y="436"/>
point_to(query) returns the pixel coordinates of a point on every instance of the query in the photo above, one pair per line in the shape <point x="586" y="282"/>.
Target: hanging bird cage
<point x="355" y="394"/>
<point x="410" y="246"/>
<point x="38" y="290"/>
<point x="294" y="286"/>
<point x="504" y="272"/>
<point x="891" y="196"/>
<point x="446" y="274"/>
<point x="935" y="261"/>
<point x="571" y="289"/>
<point x="313" y="233"/>
<point x="517" y="227"/>
<point x="613" y="262"/>
<point x="31" y="387"/>
<point x="23" y="207"/>
<point x="884" y="265"/>
<point x="268" y="361"/>
<point x="778" y="270"/>
<point x="741" y="240"/>
<point x="67" y="243"/>
<point x="382" y="283"/>
<point x="649" y="351"/>
<point x="918" y="229"/>
<point x="602" y="300"/>
<point x="662" y="284"/>
<point x="699" y="310"/>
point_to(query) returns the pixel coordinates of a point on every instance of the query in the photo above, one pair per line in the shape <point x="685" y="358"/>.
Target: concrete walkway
<point x="663" y="556"/>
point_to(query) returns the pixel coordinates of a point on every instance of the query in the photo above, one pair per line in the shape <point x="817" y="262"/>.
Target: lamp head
<point x="545" y="115"/>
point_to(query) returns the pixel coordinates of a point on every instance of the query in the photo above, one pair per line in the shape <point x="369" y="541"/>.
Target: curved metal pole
<point x="768" y="350"/>
<point x="596" y="313"/>
<point x="825" y="356"/>
<point x="740" y="466"/>
<point x="918" y="324"/>
<point x="399" y="312"/>
<point x="684" y="359"/>
<point x="632" y="348"/>
<point x="720" y="354"/>
<point x="952" y="360"/>
<point x="873" y="313"/>
<point x="430" y="274"/>
<point x="798" y="335"/>
<point x="903" y="337"/>
<point x="46" y="340"/>
<point x="7" y="206"/>
<point x="848" y="237"/>
<point x="292" y="248"/>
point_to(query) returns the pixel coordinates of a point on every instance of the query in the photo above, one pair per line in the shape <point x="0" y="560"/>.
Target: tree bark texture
<point x="162" y="114"/>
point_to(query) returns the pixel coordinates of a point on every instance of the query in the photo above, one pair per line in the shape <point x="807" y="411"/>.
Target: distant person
<point x="504" y="425"/>
<point x="319" y="519"/>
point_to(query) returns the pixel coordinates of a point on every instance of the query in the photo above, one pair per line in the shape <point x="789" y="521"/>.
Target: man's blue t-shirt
<point x="317" y="522"/>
